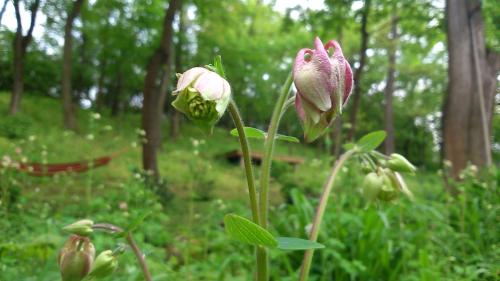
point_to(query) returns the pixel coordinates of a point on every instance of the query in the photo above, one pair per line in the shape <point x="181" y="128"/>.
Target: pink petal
<point x="313" y="78"/>
<point x="210" y="86"/>
<point x="188" y="77"/>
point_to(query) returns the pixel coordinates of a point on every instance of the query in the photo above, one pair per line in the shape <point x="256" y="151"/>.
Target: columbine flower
<point x="324" y="83"/>
<point x="75" y="258"/>
<point x="203" y="96"/>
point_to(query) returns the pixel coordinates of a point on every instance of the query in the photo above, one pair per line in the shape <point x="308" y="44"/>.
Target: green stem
<point x="247" y="160"/>
<point x="327" y="188"/>
<point x="262" y="259"/>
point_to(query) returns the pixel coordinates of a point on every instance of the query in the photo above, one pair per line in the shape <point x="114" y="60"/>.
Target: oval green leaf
<point x="244" y="230"/>
<point x="371" y="141"/>
<point x="291" y="243"/>
<point x="250" y="132"/>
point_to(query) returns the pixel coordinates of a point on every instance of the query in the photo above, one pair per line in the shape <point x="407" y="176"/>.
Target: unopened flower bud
<point x="398" y="163"/>
<point x="389" y="190"/>
<point x="324" y="83"/>
<point x="75" y="258"/>
<point x="372" y="185"/>
<point x="203" y="96"/>
<point x="81" y="227"/>
<point x="105" y="264"/>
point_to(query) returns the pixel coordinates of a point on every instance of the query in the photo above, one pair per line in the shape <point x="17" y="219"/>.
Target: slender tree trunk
<point x="389" y="88"/>
<point x="20" y="45"/>
<point x="472" y="71"/>
<point x="116" y="102"/>
<point x="66" y="87"/>
<point x="151" y="115"/>
<point x="356" y="95"/>
<point x="4" y="7"/>
<point x="18" y="85"/>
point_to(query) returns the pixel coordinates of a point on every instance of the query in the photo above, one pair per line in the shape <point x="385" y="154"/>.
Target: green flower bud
<point x="389" y="190"/>
<point x="75" y="258"/>
<point x="372" y="185"/>
<point x="105" y="264"/>
<point x="399" y="163"/>
<point x="81" y="227"/>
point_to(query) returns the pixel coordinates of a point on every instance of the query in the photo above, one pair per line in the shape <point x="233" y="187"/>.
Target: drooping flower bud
<point x="372" y="184"/>
<point x="324" y="83"/>
<point x="81" y="227"/>
<point x="75" y="258"/>
<point x="105" y="264"/>
<point x="399" y="163"/>
<point x="203" y="96"/>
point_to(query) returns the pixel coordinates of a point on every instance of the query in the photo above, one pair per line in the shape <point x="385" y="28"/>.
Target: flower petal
<point x="210" y="86"/>
<point x="313" y="77"/>
<point x="188" y="77"/>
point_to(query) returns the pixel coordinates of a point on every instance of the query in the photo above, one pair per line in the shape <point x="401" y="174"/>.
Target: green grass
<point x="435" y="237"/>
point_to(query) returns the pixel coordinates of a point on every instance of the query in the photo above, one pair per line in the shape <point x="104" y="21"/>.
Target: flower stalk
<point x="262" y="257"/>
<point x="320" y="211"/>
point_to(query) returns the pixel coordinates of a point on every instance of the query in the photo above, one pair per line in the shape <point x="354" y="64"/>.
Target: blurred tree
<point x="357" y="91"/>
<point x="20" y="45"/>
<point x="390" y="81"/>
<point x="152" y="110"/>
<point x="66" y="89"/>
<point x="2" y="10"/>
<point x="472" y="73"/>
<point x="179" y="49"/>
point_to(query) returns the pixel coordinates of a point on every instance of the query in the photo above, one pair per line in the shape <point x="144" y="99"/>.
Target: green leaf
<point x="251" y="133"/>
<point x="244" y="230"/>
<point x="218" y="66"/>
<point x="291" y="243"/>
<point x="287" y="138"/>
<point x="349" y="146"/>
<point x="372" y="140"/>
<point x="137" y="222"/>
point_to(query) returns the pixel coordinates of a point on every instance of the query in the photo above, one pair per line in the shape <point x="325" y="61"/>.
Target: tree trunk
<point x="468" y="107"/>
<point x="356" y="95"/>
<point x="4" y="7"/>
<point x="151" y="114"/>
<point x="20" y="45"/>
<point x="389" y="88"/>
<point x="66" y="89"/>
<point x="116" y="102"/>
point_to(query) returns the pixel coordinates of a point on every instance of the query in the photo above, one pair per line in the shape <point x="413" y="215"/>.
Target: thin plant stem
<point x="327" y="188"/>
<point x="262" y="258"/>
<point x="247" y="160"/>
<point x="139" y="256"/>
<point x="107" y="227"/>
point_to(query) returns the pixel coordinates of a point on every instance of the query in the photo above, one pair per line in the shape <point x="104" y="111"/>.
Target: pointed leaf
<point x="250" y="132"/>
<point x="291" y="243"/>
<point x="287" y="138"/>
<point x="371" y="141"/>
<point x="244" y="230"/>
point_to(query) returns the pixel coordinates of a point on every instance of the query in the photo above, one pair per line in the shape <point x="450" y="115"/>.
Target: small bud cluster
<point x="385" y="183"/>
<point x="76" y="258"/>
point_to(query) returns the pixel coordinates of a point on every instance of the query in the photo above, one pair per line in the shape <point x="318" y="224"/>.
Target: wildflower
<point x="324" y="83"/>
<point x="203" y="96"/>
<point x="75" y="258"/>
